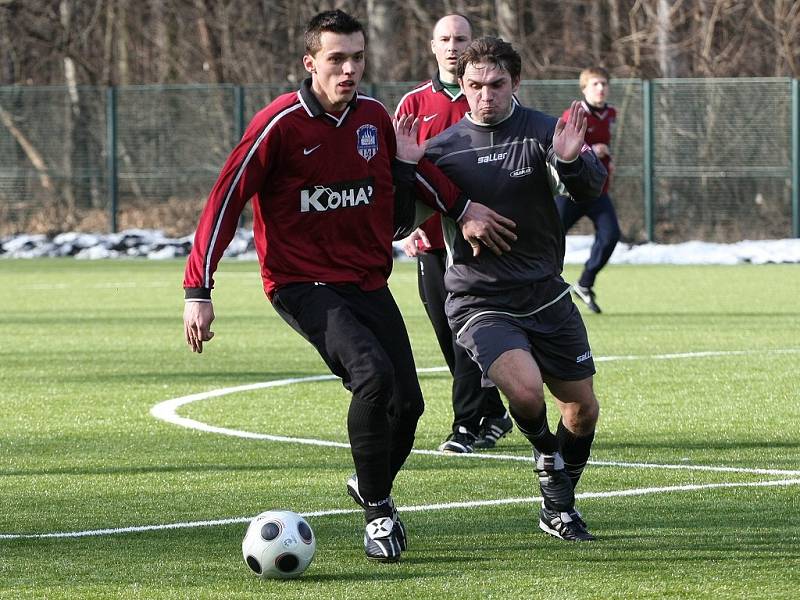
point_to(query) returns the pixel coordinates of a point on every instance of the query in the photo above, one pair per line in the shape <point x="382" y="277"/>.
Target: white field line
<point x="166" y="411"/>
<point x="406" y="509"/>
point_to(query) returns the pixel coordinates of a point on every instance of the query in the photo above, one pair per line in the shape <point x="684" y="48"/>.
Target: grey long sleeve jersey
<point x="511" y="167"/>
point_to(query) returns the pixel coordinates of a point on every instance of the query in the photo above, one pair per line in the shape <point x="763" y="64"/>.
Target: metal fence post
<point x="647" y="158"/>
<point x="795" y="158"/>
<point x="238" y="110"/>
<point x="238" y="121"/>
<point x="111" y="155"/>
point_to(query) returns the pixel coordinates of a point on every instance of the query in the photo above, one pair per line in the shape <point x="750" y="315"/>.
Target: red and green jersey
<point x="437" y="109"/>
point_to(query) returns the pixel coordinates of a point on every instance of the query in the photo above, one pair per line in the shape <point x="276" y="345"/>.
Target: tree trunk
<point x="7" y="70"/>
<point x="507" y="24"/>
<point x="29" y="149"/>
<point x="71" y="114"/>
<point x="212" y="51"/>
<point x="670" y="60"/>
<point x="383" y="32"/>
<point x="665" y="64"/>
<point x="123" y="41"/>
<point x="615" y="33"/>
<point x="161" y="52"/>
<point x="597" y="31"/>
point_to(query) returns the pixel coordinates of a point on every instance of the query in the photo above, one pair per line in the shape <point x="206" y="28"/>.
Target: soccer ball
<point x="278" y="544"/>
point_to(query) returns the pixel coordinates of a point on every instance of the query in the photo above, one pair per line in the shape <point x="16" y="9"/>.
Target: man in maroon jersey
<point x="601" y="117"/>
<point x="318" y="164"/>
<point x="479" y="416"/>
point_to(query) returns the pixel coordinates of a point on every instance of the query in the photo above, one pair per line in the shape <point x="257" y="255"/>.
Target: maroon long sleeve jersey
<point x="599" y="126"/>
<point x="323" y="198"/>
<point x="437" y="110"/>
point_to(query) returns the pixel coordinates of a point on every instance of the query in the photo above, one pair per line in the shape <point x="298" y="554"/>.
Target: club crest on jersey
<point x="367" y="141"/>
<point x="333" y="196"/>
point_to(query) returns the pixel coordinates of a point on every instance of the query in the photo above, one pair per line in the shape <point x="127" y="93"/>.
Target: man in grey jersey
<point x="512" y="311"/>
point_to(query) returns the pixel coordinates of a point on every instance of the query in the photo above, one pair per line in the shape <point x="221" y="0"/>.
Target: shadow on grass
<point x="201" y="380"/>
<point x="70" y="471"/>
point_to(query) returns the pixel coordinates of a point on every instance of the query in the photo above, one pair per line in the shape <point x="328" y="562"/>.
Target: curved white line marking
<point x="166" y="411"/>
<point x="405" y="509"/>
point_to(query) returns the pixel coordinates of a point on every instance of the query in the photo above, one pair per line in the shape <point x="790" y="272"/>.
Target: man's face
<point x="489" y="90"/>
<point x="596" y="91"/>
<point x="336" y="69"/>
<point x="450" y="36"/>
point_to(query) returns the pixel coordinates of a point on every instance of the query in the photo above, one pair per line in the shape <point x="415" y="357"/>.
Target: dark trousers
<point x="606" y="231"/>
<point x="362" y="338"/>
<point x="471" y="402"/>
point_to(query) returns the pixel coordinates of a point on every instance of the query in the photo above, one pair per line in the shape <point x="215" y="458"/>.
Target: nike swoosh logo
<point x="307" y="151"/>
<point x="429" y="117"/>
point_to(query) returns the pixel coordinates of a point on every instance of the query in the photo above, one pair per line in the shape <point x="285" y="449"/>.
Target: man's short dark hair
<point x="493" y="50"/>
<point x="334" y="21"/>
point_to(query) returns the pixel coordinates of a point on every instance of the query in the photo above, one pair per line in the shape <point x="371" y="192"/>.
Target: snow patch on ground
<point x="154" y="245"/>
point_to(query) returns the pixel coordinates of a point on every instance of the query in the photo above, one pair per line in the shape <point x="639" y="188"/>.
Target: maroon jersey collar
<point x="314" y="107"/>
<point x="600" y="112"/>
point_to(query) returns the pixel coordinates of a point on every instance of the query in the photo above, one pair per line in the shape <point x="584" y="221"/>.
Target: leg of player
<point x="467" y="400"/>
<point x="518" y="376"/>
<point x="430" y="280"/>
<point x="606" y="236"/>
<point x="570" y="213"/>
<point x="430" y="283"/>
<point x="496" y="422"/>
<point x="471" y="405"/>
<point x="378" y="311"/>
<point x="579" y="413"/>
<point x="328" y="317"/>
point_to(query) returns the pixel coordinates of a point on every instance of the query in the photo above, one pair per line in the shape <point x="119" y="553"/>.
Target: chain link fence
<point x="696" y="159"/>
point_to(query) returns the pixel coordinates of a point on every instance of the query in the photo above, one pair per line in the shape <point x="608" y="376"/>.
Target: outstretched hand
<point x="569" y="134"/>
<point x="197" y="319"/>
<point x="406" y="128"/>
<point x="481" y="225"/>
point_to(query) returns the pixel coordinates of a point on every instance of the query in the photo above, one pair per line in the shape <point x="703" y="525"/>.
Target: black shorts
<point x="554" y="334"/>
<point x="360" y="336"/>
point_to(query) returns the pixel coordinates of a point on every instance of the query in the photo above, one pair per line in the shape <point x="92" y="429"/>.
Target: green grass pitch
<point x="693" y="491"/>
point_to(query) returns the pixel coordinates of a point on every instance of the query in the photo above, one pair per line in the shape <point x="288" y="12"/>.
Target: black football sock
<point x="574" y="450"/>
<point x="402" y="440"/>
<point x="375" y="510"/>
<point x="537" y="431"/>
<point x="368" y="428"/>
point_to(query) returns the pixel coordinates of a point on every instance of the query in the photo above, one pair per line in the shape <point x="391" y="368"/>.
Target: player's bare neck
<point x="447" y="77"/>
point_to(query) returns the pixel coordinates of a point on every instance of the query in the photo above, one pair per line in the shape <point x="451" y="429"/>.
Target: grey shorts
<point x="555" y="336"/>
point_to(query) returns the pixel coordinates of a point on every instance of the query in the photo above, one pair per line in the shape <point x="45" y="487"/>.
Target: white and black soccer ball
<point x="278" y="544"/>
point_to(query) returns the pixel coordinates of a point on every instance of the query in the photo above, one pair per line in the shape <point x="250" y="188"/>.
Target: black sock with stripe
<point x="574" y="450"/>
<point x="537" y="431"/>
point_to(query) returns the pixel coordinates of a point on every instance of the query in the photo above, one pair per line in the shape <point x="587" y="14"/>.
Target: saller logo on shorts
<point x="332" y="196"/>
<point x="585" y="356"/>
